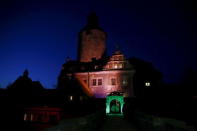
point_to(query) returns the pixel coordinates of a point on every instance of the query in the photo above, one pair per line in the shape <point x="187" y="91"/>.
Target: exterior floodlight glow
<point x="71" y="98"/>
<point x="147" y="84"/>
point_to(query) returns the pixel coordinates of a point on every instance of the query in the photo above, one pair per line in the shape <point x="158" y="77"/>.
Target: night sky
<point x="38" y="35"/>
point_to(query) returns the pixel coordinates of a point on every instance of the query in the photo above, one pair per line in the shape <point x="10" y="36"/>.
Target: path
<point x="117" y="123"/>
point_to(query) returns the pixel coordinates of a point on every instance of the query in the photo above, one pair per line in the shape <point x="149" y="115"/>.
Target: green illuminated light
<point x="114" y="105"/>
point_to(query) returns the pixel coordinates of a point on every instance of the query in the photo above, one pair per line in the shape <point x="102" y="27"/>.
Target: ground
<point x="117" y="123"/>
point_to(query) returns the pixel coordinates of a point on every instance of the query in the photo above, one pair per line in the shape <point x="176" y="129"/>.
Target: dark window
<point x="53" y="119"/>
<point x="121" y="58"/>
<point x="113" y="81"/>
<point x="39" y="118"/>
<point x="99" y="82"/>
<point x="94" y="82"/>
<point x="85" y="81"/>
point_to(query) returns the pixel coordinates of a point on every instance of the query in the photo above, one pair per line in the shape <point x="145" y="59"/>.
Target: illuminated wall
<point x="116" y="75"/>
<point x="102" y="83"/>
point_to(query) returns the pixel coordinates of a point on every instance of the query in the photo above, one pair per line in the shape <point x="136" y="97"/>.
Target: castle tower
<point x="92" y="40"/>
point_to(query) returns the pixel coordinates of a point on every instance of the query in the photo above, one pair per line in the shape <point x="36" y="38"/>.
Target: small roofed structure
<point x="114" y="103"/>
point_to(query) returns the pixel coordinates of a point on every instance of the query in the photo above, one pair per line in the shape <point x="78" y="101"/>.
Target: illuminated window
<point x="115" y="57"/>
<point x="94" y="82"/>
<point x="25" y="117"/>
<point x="110" y="66"/>
<point x="31" y="117"/>
<point x="124" y="82"/>
<point x="147" y="84"/>
<point x="99" y="82"/>
<point x="119" y="65"/>
<point x="70" y="98"/>
<point x="81" y="98"/>
<point x="115" y="66"/>
<point x="113" y="81"/>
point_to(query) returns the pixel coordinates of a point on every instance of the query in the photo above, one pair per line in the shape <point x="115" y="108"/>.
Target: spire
<point x="26" y="73"/>
<point x="117" y="49"/>
<point x="67" y="59"/>
<point x="92" y="20"/>
<point x="117" y="46"/>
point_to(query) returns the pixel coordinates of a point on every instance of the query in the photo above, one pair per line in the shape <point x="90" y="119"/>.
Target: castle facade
<point x="98" y="74"/>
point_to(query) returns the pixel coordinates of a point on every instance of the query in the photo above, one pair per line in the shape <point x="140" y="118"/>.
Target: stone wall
<point x="92" y="45"/>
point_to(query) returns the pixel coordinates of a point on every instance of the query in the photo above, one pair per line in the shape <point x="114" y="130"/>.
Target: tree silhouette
<point x="189" y="82"/>
<point x="23" y="89"/>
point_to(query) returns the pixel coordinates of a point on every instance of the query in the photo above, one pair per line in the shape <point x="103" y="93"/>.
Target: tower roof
<point x="117" y="52"/>
<point x="92" y="22"/>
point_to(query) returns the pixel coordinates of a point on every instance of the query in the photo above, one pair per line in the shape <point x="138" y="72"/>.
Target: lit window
<point x="99" y="82"/>
<point x="94" y="82"/>
<point x="81" y="98"/>
<point x="31" y="117"/>
<point x="120" y="65"/>
<point x="70" y="98"/>
<point x="124" y="82"/>
<point x="110" y="66"/>
<point x="25" y="117"/>
<point x="115" y="66"/>
<point x="147" y="84"/>
<point x="113" y="81"/>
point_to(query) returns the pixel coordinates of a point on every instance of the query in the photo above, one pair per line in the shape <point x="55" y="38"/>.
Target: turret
<point x="92" y="40"/>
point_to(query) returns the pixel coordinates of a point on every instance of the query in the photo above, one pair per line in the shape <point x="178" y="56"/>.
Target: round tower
<point x="92" y="40"/>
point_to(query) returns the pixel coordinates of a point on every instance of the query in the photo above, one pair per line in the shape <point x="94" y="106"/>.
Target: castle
<point x="98" y="74"/>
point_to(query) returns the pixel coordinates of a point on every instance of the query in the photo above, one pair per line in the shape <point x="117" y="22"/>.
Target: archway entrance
<point x="114" y="104"/>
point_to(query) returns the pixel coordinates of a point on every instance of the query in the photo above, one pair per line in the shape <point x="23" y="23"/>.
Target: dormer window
<point x="115" y="66"/>
<point x="115" y="57"/>
<point x="110" y="66"/>
<point x="25" y="117"/>
<point x="124" y="82"/>
<point x="120" y="65"/>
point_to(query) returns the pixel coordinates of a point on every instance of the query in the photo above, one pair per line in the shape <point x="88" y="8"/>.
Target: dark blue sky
<point x="38" y="35"/>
